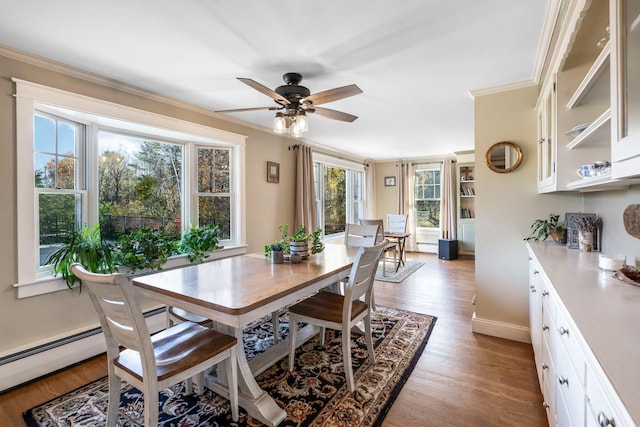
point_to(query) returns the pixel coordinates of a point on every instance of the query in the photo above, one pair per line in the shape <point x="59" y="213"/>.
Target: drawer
<point x="548" y="304"/>
<point x="549" y="333"/>
<point x="549" y="383"/>
<point x="567" y="337"/>
<point x="600" y="410"/>
<point x="570" y="391"/>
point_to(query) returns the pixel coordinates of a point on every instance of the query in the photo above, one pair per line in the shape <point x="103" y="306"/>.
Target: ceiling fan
<point x="295" y="101"/>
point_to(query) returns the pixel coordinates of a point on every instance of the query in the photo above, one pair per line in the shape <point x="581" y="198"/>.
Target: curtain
<point x="406" y="201"/>
<point x="305" y="203"/>
<point x="370" y="191"/>
<point x="448" y="200"/>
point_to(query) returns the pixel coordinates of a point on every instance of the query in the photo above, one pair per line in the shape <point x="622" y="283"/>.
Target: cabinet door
<point x="625" y="150"/>
<point x="546" y="140"/>
<point x="467" y="237"/>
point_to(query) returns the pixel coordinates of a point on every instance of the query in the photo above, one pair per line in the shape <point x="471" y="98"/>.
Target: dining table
<point x="235" y="291"/>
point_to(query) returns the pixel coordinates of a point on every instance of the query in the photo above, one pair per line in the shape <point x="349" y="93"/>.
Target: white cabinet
<point x="587" y="105"/>
<point x="625" y="149"/>
<point x="575" y="388"/>
<point x="466" y="208"/>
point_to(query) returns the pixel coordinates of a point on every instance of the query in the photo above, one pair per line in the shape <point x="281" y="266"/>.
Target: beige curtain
<point x="448" y="207"/>
<point x="370" y="191"/>
<point x="305" y="203"/>
<point x="406" y="201"/>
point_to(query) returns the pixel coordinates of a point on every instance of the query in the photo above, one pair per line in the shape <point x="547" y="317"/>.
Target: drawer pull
<point x="563" y="381"/>
<point x="545" y="366"/>
<point x="545" y="405"/>
<point x="536" y="272"/>
<point x="545" y="293"/>
<point x="563" y="331"/>
<point x="545" y="327"/>
<point x="604" y="421"/>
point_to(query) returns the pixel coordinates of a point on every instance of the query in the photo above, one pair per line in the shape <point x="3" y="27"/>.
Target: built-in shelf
<point x="597" y="183"/>
<point x="599" y="130"/>
<point x="601" y="63"/>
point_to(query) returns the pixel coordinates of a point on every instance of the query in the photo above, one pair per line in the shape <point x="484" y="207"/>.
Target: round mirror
<point x="504" y="157"/>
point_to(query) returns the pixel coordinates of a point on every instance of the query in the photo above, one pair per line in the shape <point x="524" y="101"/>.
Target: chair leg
<point x="199" y="383"/>
<point x="275" y="321"/>
<point x="293" y="330"/>
<point x="322" y="333"/>
<point x="368" y="335"/>
<point x="151" y="404"/>
<point x="114" y="400"/>
<point x="232" y="380"/>
<point x="346" y="357"/>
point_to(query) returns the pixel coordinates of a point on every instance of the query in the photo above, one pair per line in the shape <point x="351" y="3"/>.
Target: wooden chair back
<point x="378" y="223"/>
<point x="361" y="277"/>
<point x="396" y="223"/>
<point x="360" y="235"/>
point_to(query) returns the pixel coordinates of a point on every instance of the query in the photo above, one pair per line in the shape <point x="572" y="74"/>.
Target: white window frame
<point x="31" y="97"/>
<point x="325" y="160"/>
<point x="427" y="167"/>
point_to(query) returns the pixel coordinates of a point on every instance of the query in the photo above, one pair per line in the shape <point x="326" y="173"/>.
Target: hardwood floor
<point x="462" y="379"/>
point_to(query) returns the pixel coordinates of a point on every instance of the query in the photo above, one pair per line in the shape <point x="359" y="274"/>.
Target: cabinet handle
<point x="563" y="331"/>
<point x="545" y="327"/>
<point x="536" y="272"/>
<point x="529" y="258"/>
<point x="563" y="380"/>
<point x="533" y="290"/>
<point x="604" y="421"/>
<point x="545" y="405"/>
<point x="545" y="366"/>
<point x="545" y="293"/>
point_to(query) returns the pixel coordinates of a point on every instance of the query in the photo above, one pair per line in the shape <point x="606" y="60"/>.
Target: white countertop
<point x="605" y="310"/>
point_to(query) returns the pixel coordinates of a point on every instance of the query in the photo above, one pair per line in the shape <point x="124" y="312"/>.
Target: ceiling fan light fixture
<point x="302" y="121"/>
<point x="279" y="123"/>
<point x="296" y="129"/>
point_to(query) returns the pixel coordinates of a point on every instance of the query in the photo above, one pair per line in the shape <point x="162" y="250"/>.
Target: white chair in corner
<point x="335" y="311"/>
<point x="379" y="238"/>
<point x="152" y="363"/>
<point x="397" y="223"/>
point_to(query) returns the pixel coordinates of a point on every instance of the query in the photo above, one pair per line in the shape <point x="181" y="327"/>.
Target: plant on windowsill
<point x="199" y="242"/>
<point x="86" y="247"/>
<point x="145" y="249"/>
<point x="543" y="228"/>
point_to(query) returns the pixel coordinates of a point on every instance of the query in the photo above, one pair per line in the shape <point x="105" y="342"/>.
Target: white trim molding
<point x="500" y="329"/>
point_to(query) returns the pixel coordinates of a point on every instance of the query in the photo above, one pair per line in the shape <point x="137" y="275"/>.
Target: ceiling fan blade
<point x="265" y="90"/>
<point x="240" y="110"/>
<point x="335" y="115"/>
<point x="333" y="94"/>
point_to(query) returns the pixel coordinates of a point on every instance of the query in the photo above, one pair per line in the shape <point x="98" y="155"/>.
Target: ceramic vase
<point x="585" y="241"/>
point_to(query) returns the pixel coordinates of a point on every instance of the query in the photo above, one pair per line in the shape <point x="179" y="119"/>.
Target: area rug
<point x="314" y="394"/>
<point x="397" y="276"/>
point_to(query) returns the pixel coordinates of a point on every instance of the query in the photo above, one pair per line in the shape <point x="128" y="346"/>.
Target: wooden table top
<point x="238" y="285"/>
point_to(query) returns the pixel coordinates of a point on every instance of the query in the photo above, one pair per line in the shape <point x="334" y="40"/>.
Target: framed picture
<point x="389" y="181"/>
<point x="273" y="172"/>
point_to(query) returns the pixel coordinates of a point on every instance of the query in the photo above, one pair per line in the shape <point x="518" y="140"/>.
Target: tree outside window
<point x="427" y="198"/>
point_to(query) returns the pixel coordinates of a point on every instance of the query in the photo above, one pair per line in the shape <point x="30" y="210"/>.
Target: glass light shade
<point x="279" y="123"/>
<point x="302" y="122"/>
<point x="295" y="129"/>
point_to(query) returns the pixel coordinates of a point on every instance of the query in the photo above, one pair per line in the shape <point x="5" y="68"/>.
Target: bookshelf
<point x="466" y="207"/>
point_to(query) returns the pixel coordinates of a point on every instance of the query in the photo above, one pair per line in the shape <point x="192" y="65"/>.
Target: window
<point x="83" y="160"/>
<point x="427" y="197"/>
<point x="339" y="193"/>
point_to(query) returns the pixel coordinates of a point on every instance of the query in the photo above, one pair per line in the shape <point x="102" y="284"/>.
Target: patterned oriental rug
<point x="315" y="394"/>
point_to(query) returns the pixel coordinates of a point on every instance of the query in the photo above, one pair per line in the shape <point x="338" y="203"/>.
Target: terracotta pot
<point x="559" y="237"/>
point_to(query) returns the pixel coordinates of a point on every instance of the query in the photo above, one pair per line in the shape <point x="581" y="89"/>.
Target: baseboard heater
<point x="30" y="364"/>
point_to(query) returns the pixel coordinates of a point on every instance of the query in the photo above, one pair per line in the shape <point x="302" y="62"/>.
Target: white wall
<point x="506" y="205"/>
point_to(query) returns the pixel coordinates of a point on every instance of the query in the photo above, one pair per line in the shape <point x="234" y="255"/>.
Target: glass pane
<point x="213" y="167"/>
<point x="335" y="206"/>
<point x="632" y="63"/>
<point x="45" y="173"/>
<point x="44" y="134"/>
<point x="222" y="181"/>
<point x="140" y="185"/>
<point x="66" y="139"/>
<point x="66" y="173"/>
<point x="205" y="181"/>
<point x="428" y="213"/>
<point x="59" y="215"/>
<point x="215" y="210"/>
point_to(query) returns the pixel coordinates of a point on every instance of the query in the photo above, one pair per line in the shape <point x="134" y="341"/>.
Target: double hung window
<point x="427" y="197"/>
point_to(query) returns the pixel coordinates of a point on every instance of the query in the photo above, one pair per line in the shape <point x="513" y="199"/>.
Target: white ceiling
<point x="415" y="60"/>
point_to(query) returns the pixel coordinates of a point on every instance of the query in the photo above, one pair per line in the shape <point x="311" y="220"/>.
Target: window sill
<point x="54" y="284"/>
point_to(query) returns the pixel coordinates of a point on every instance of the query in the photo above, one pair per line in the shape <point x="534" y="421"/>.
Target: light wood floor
<point x="462" y="379"/>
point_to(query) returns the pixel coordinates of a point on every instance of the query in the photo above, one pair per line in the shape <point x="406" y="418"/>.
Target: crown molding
<point x="502" y="88"/>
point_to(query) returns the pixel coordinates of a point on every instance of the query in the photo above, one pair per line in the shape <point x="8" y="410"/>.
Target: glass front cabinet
<point x="589" y="104"/>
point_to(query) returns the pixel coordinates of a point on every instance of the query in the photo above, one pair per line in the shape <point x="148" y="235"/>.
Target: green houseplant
<point x="145" y="249"/>
<point x="86" y="247"/>
<point x="298" y="242"/>
<point x="541" y="229"/>
<point x="199" y="241"/>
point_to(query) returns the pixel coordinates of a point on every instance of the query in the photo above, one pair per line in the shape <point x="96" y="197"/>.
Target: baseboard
<point x="499" y="329"/>
<point x="20" y="370"/>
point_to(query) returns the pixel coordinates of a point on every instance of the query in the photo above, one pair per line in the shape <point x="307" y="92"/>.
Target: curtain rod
<point x="439" y="162"/>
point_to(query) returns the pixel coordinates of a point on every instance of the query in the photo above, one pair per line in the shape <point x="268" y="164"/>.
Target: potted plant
<point x="587" y="225"/>
<point x="298" y="243"/>
<point x="277" y="254"/>
<point x="199" y="241"/>
<point x="86" y="247"/>
<point x="541" y="229"/>
<point x="145" y="249"/>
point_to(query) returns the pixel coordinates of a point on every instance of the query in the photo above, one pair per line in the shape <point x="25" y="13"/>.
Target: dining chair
<point x="152" y="363"/>
<point x="379" y="238"/>
<point x="360" y="235"/>
<point x="397" y="223"/>
<point x="341" y="312"/>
